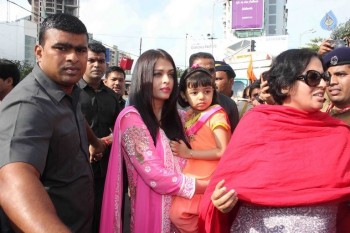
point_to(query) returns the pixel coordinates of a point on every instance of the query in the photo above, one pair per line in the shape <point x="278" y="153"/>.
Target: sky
<point x="166" y="23"/>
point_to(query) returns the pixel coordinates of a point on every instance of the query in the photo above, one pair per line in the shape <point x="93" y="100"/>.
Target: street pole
<point x="212" y="28"/>
<point x="305" y="32"/>
<point x="140" y="45"/>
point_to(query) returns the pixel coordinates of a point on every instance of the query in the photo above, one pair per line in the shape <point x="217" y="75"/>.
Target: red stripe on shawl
<point x="279" y="156"/>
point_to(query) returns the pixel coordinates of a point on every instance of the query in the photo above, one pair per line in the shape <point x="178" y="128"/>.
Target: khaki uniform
<point x="344" y="116"/>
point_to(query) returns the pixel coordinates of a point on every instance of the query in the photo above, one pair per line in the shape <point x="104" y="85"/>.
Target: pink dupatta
<point x="113" y="190"/>
<point x="202" y="119"/>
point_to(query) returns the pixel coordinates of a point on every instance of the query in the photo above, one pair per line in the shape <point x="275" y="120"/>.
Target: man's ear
<point x="9" y="81"/>
<point x="38" y="50"/>
<point x="231" y="81"/>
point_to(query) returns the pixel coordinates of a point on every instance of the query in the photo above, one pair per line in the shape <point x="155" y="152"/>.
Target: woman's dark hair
<point x="141" y="97"/>
<point x="285" y="69"/>
<point x="195" y="77"/>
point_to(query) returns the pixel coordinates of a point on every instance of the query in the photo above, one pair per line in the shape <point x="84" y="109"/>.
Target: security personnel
<point x="337" y="63"/>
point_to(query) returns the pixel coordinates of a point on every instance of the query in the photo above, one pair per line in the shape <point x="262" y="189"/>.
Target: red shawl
<point x="279" y="156"/>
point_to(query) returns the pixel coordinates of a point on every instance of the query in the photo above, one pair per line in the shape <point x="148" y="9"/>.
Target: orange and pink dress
<point x="199" y="129"/>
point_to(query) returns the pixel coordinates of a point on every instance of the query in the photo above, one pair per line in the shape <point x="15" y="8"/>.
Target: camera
<point x="338" y="43"/>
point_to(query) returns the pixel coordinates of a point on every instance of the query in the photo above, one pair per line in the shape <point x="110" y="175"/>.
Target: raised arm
<point x="325" y="47"/>
<point x="25" y="200"/>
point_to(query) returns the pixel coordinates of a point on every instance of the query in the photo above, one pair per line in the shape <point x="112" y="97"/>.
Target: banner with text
<point x="247" y="14"/>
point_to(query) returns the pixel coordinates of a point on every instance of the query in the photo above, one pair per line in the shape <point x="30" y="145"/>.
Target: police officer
<point x="337" y="63"/>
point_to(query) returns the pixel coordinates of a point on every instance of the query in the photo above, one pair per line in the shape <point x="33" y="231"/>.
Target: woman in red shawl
<point x="287" y="166"/>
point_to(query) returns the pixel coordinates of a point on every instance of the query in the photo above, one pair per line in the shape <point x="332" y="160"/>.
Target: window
<point x="272" y="9"/>
<point x="272" y="30"/>
<point x="272" y="19"/>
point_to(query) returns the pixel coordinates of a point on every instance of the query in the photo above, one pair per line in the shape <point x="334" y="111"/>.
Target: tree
<point x="24" y="68"/>
<point x="179" y="72"/>
<point x="314" y="44"/>
<point x="341" y="31"/>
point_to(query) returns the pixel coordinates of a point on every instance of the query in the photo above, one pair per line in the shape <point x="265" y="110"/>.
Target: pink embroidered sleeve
<point x="156" y="166"/>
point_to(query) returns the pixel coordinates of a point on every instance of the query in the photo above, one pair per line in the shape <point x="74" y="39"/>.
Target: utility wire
<point x="24" y="8"/>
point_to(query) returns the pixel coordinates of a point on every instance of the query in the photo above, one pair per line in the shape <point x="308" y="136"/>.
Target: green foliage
<point x="179" y="72"/>
<point x="24" y="68"/>
<point x="341" y="31"/>
<point x="315" y="43"/>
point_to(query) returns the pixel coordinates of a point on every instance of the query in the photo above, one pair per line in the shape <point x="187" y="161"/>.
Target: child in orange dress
<point x="208" y="130"/>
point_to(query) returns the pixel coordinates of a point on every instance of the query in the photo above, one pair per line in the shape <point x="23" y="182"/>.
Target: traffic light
<point x="252" y="45"/>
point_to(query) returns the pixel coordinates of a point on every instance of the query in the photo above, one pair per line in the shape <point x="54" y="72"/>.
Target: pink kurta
<point x="154" y="177"/>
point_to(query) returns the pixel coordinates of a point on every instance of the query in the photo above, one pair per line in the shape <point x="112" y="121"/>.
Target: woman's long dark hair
<point x="141" y="97"/>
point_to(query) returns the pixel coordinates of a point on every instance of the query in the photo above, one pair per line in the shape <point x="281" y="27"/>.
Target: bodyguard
<point x="46" y="180"/>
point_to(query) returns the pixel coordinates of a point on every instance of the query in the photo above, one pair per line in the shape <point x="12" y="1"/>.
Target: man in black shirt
<point x="100" y="106"/>
<point x="115" y="79"/>
<point x="46" y="180"/>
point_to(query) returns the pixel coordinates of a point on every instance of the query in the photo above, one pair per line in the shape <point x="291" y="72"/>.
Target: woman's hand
<point x="222" y="199"/>
<point x="325" y="47"/>
<point x="265" y="94"/>
<point x="180" y="149"/>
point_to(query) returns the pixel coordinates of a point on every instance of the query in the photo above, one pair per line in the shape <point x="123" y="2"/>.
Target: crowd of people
<point x="174" y="157"/>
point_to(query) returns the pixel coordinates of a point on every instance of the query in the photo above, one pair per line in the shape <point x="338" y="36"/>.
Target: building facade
<point x="42" y="8"/>
<point x="275" y="15"/>
<point x="18" y="39"/>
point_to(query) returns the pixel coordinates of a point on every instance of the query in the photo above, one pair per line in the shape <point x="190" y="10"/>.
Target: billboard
<point x="247" y="14"/>
<point x="108" y="52"/>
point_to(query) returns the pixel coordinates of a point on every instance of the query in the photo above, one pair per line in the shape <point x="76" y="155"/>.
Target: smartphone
<point x="338" y="43"/>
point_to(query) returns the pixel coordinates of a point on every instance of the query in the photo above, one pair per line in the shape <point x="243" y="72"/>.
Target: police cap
<point x="337" y="57"/>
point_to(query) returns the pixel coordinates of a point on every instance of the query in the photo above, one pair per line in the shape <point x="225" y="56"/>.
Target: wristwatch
<point x="259" y="100"/>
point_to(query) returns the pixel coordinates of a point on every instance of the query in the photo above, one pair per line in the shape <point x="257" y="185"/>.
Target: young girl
<point x="208" y="131"/>
<point x="141" y="136"/>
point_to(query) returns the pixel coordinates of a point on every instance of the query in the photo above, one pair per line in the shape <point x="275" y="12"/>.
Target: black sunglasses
<point x="313" y="78"/>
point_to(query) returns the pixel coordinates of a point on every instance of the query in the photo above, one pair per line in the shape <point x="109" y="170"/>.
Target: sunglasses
<point x="313" y="78"/>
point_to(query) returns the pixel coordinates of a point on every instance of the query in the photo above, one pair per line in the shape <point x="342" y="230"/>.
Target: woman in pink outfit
<point x="142" y="134"/>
